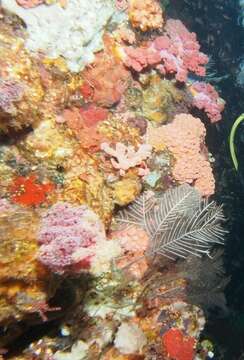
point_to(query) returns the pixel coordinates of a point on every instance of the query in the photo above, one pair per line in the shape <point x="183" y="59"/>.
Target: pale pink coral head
<point x="68" y="237"/>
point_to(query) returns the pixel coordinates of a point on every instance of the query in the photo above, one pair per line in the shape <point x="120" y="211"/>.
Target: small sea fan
<point x="180" y="223"/>
<point x="207" y="282"/>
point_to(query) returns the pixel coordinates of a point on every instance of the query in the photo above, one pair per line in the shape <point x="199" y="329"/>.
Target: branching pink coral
<point x="68" y="237"/>
<point x="125" y="157"/>
<point x="206" y="98"/>
<point x="29" y="3"/>
<point x="184" y="138"/>
<point x="176" y="52"/>
<point x="141" y="57"/>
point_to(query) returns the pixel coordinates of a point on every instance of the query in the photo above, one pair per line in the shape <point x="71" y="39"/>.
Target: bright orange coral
<point x="28" y="191"/>
<point x="84" y="125"/>
<point x="86" y="91"/>
<point x="178" y="346"/>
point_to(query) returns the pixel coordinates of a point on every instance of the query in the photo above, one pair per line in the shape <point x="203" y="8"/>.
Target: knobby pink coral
<point x="68" y="237"/>
<point x="206" y="98"/>
<point x="176" y="52"/>
<point x="92" y="114"/>
<point x="181" y="54"/>
<point x="184" y="138"/>
<point x="145" y="15"/>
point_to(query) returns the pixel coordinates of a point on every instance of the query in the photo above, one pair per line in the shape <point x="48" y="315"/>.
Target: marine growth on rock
<point x="106" y="225"/>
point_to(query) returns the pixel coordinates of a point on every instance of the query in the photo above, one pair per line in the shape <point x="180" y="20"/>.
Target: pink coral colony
<point x="184" y="138"/>
<point x="176" y="52"/>
<point x="68" y="237"/>
<point x="206" y="98"/>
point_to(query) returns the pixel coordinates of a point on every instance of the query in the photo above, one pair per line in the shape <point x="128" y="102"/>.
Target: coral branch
<point x="126" y="157"/>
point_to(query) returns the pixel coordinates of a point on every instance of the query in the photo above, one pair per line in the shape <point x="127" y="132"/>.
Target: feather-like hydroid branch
<point x="180" y="222"/>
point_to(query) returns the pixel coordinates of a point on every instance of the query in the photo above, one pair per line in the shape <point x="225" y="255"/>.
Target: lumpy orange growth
<point x="83" y="123"/>
<point x="107" y="76"/>
<point x="92" y="114"/>
<point x="27" y="191"/>
<point x="178" y="346"/>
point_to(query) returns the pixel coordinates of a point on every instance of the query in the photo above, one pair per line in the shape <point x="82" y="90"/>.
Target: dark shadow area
<point x="221" y="38"/>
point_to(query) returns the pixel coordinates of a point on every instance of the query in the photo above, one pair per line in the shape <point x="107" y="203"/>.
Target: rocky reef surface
<point x="110" y="244"/>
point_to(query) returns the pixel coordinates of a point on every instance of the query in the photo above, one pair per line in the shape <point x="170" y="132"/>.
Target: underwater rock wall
<point x="73" y="31"/>
<point x="105" y="183"/>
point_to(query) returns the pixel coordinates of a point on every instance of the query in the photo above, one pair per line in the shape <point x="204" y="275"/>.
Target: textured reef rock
<point x="29" y="87"/>
<point x="107" y="78"/>
<point x="146" y="15"/>
<point x="77" y="40"/>
<point x="162" y="99"/>
<point x="21" y="89"/>
<point x="105" y="223"/>
<point x="25" y="285"/>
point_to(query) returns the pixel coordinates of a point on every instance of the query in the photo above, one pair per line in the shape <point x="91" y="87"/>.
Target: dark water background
<point x="216" y="25"/>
